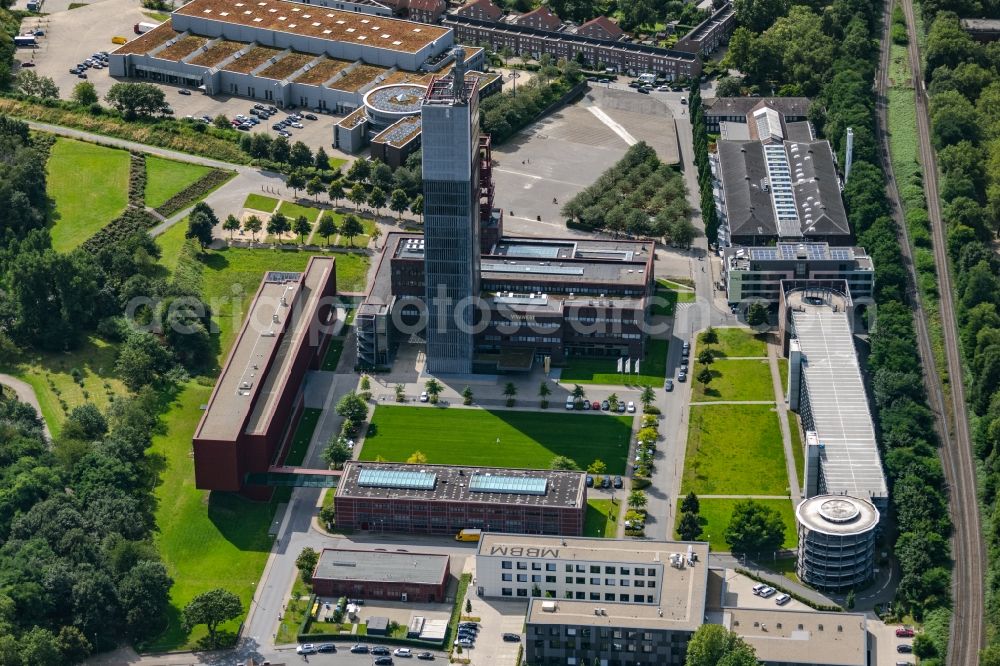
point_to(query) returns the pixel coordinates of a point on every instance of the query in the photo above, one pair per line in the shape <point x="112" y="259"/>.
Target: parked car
<point x="570" y="402"/>
<point x="605" y="482"/>
<point x="596" y="406"/>
<point x="682" y="375"/>
<point x="621" y="407"/>
<point x="590" y="481"/>
<point x="403" y="652"/>
<point x="618" y="483"/>
<point x="284" y="134"/>
<point x="586" y="405"/>
<point x="81" y="75"/>
<point x="464" y="642"/>
<point x="631" y="407"/>
<point x="383" y="661"/>
<point x="307" y="648"/>
<point x="605" y="405"/>
<point x="757" y="588"/>
<point x="686" y="346"/>
<point x="768" y="592"/>
<point x="426" y="656"/>
<point x="470" y="624"/>
<point x="782" y="599"/>
<point x="904" y="648"/>
<point x="326" y="647"/>
<point x="27" y="64"/>
<point x="424" y="397"/>
<point x="512" y="638"/>
<point x="904" y="632"/>
<point x="260" y="107"/>
<point x="309" y="116"/>
<point x="359" y="649"/>
<point x="296" y="124"/>
<point x="277" y="127"/>
<point x="668" y="385"/>
<point x="378" y="649"/>
<point x="183" y="91"/>
<point x="644" y="91"/>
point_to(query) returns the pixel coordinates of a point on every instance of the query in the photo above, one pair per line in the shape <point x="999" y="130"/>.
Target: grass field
<point x="602" y="370"/>
<point x="303" y="435"/>
<point x="672" y="293"/>
<point x="89" y="185"/>
<point x="716" y="513"/>
<point x="601" y="519"/>
<point x="469" y="437"/>
<point x="293" y="210"/>
<point x="735" y="342"/>
<point x="783" y="371"/>
<point x="50" y="375"/>
<point x="734" y="450"/>
<point x="207" y="540"/>
<point x="170" y="243"/>
<point x="734" y="380"/>
<point x="797" y="452"/>
<point x="333" y="353"/>
<point x="261" y="203"/>
<point x="165" y="178"/>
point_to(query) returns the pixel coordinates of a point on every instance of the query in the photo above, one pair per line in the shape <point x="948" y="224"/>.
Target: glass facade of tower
<point x="450" y="145"/>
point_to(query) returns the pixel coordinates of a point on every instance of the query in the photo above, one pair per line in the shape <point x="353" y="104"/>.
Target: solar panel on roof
<point x="391" y="478"/>
<point x="513" y="485"/>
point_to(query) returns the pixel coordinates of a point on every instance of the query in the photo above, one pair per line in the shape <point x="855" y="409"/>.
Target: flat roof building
<point x="257" y="398"/>
<point x="374" y="574"/>
<point x="444" y="499"/>
<point x="735" y="109"/>
<point x="801" y="638"/>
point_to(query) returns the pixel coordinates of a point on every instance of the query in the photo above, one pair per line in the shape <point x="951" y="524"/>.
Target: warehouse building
<point x="777" y="183"/>
<point x="386" y="575"/>
<point x="287" y="53"/>
<point x="757" y="273"/>
<point x="257" y="400"/>
<point x="836" y="541"/>
<point x="445" y="499"/>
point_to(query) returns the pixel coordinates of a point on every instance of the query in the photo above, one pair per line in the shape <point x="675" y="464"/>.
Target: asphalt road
<point x="967" y="627"/>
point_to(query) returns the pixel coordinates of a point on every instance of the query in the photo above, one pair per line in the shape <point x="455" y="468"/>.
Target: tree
<point x="301" y="227"/>
<point x="321" y="160"/>
<point x="306" y="563"/>
<point x="336" y="192"/>
<point x="729" y="86"/>
<point x="637" y="499"/>
<point x="375" y="235"/>
<point x="300" y="156"/>
<point x="351" y="227"/>
<point x="417" y="458"/>
<point x="134" y="100"/>
<point x="417" y="207"/>
<point x="689" y="526"/>
<point x="280" y="150"/>
<point x="85" y="94"/>
<point x="754" y="528"/>
<point x="704" y="376"/>
<point x="757" y="314"/>
<point x="31" y="84"/>
<point x="706" y="357"/>
<point x="376" y="199"/>
<point x="327" y="227"/>
<point x="690" y="503"/>
<point x="336" y="453"/>
<point x="352" y="407"/>
<point x="710" y="336"/>
<point x="296" y="181"/>
<point x="544" y="392"/>
<point x="231" y="224"/>
<point x="86" y="422"/>
<point x="468" y="606"/>
<point x="201" y="222"/>
<point x="597" y="468"/>
<point x="613" y="401"/>
<point x="359" y="170"/>
<point x="221" y="122"/>
<point x="647" y="397"/>
<point x="142" y="360"/>
<point x="563" y="463"/>
<point x="212" y="608"/>
<point x="509" y="390"/>
<point x="433" y="388"/>
<point x="253" y="225"/>
<point x="578" y="393"/>
<point x="714" y="645"/>
<point x="467" y="395"/>
<point x="314" y="187"/>
<point x="398" y="203"/>
<point x="357" y="195"/>
<point x="758" y="15"/>
<point x="278" y="224"/>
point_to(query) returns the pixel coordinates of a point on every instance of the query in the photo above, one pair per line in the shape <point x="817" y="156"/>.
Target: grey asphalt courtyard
<point x="552" y="160"/>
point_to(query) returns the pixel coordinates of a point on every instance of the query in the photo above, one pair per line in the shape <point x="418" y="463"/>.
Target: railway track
<point x="967" y="627"/>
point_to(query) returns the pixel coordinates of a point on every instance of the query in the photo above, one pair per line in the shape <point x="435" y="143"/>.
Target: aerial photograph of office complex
<point x="499" y="333"/>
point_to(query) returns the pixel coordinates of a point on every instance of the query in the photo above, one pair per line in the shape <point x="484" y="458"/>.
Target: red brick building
<point x="386" y="575"/>
<point x="444" y="499"/>
<point x="601" y="28"/>
<point x="484" y="10"/>
<point x="540" y="19"/>
<point x="425" y="11"/>
<point x="257" y="399"/>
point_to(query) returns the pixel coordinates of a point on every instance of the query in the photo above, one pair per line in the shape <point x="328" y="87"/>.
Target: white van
<point x="570" y="403"/>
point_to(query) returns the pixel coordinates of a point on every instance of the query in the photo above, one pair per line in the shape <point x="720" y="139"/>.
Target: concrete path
<point x="786" y="433"/>
<point x="26" y="394"/>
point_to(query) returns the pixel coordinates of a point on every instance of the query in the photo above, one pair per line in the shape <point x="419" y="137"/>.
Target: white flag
<point x="628" y="365"/>
<point x="620" y="359"/>
<point x="636" y="366"/>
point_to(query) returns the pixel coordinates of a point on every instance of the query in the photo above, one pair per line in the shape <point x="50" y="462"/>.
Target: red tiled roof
<point x="485" y="6"/>
<point x="544" y="14"/>
<point x="607" y="24"/>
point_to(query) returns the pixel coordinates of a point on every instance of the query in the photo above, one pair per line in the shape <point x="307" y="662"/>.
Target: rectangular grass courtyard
<point x="735" y="342"/>
<point x="741" y="380"/>
<point x="470" y="437"/>
<point x="601" y="520"/>
<point x="734" y="450"/>
<point x="653" y="369"/>
<point x="716" y="513"/>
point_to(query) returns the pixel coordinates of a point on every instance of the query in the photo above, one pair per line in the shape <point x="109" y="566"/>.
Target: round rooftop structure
<point x="386" y="105"/>
<point x="836" y="541"/>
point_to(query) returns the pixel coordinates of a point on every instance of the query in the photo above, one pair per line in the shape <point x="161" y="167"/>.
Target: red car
<point x="904" y="632"/>
<point x="596" y="405"/>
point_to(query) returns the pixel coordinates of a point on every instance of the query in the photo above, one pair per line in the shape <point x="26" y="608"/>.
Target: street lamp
<point x="513" y="76"/>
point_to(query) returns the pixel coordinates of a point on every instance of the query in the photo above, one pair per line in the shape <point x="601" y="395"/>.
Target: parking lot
<point x="739" y="592"/>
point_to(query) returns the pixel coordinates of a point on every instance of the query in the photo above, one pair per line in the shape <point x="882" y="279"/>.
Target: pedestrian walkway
<point x="26" y="394"/>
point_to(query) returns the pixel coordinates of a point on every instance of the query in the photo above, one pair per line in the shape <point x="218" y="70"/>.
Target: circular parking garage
<point x="836" y="541"/>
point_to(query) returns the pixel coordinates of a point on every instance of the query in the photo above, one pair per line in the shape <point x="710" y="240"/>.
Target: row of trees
<point x="639" y="195"/>
<point x="699" y="133"/>
<point x="965" y="124"/>
<point x="505" y="113"/>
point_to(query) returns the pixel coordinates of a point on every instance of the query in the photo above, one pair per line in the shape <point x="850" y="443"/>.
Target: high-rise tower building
<point x="451" y="161"/>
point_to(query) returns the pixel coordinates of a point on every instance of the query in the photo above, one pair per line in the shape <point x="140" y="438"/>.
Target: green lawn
<point x="303" y="435"/>
<point x="207" y="540"/>
<point x="715" y="515"/>
<point x="734" y="450"/>
<point x="783" y="371"/>
<point x="50" y="374"/>
<point x="89" y="185"/>
<point x="603" y="370"/>
<point x="293" y="210"/>
<point x="601" y="519"/>
<point x="333" y="353"/>
<point x="469" y="437"/>
<point x="170" y="243"/>
<point x="797" y="451"/>
<point x="261" y="203"/>
<point x="672" y="293"/>
<point x="734" y="380"/>
<point x="165" y="178"/>
<point x="735" y="342"/>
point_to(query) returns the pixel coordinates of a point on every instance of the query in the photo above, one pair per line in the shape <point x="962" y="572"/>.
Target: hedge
<point x="191" y="194"/>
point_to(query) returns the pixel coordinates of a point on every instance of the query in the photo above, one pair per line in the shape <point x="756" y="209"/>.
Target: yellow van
<point x="119" y="40"/>
<point x="468" y="535"/>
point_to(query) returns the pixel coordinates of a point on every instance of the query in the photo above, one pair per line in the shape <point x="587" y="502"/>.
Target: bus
<point x="25" y="41"/>
<point x="468" y="535"/>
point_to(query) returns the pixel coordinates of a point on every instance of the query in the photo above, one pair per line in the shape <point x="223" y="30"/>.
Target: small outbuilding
<point x="381" y="574"/>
